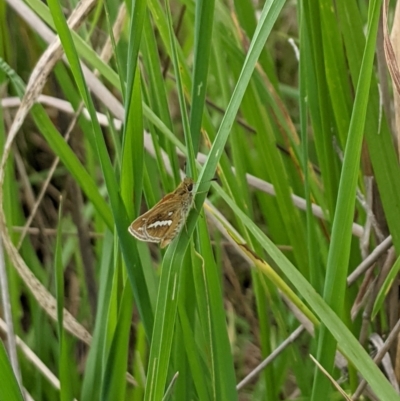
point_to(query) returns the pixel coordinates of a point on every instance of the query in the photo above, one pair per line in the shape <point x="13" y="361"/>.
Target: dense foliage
<point x="291" y="263"/>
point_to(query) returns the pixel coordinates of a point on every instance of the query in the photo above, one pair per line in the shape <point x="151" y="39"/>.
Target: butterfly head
<point x="185" y="187"/>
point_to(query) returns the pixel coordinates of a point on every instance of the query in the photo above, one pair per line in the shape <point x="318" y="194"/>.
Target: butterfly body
<point x="163" y="222"/>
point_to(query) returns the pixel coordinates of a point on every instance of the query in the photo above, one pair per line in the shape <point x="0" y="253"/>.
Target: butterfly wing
<point x="164" y="220"/>
<point x="164" y="224"/>
<point x="156" y="223"/>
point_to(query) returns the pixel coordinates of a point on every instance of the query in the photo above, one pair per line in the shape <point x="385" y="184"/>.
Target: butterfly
<point x="163" y="222"/>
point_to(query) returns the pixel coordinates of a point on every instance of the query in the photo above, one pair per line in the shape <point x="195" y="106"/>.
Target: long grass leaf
<point x="9" y="389"/>
<point x="119" y="212"/>
<point x="339" y="251"/>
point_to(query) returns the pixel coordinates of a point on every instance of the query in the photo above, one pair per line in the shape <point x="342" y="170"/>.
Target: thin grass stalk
<point x="338" y="258"/>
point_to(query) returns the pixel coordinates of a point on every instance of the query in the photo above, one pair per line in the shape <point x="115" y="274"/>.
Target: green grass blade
<point x="348" y="344"/>
<point x="94" y="364"/>
<point x="9" y="389"/>
<point x="114" y="378"/>
<point x="382" y="154"/>
<point x="267" y="19"/>
<point x="133" y="124"/>
<point x="221" y="356"/>
<point x="164" y="322"/>
<point x="339" y="251"/>
<point x="196" y="370"/>
<point x="335" y="64"/>
<point x="313" y="252"/>
<point x="157" y="99"/>
<point x="66" y="393"/>
<point x="119" y="212"/>
<point x="133" y="150"/>
<point x="190" y="168"/>
<point x="320" y="105"/>
<point x="203" y="35"/>
<point x="174" y="255"/>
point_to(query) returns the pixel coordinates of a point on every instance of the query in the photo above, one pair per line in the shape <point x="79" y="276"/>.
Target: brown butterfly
<point x="163" y="222"/>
